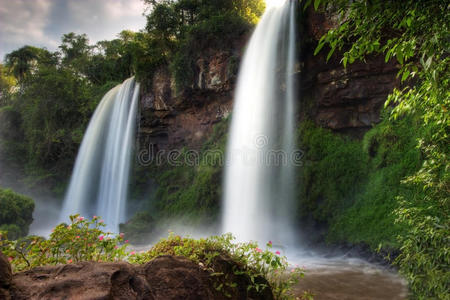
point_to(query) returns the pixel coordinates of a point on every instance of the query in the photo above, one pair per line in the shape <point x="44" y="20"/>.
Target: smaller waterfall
<point x="259" y="175"/>
<point x="99" y="183"/>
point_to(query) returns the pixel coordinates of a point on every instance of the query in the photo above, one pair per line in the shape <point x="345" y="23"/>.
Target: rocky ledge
<point x="165" y="278"/>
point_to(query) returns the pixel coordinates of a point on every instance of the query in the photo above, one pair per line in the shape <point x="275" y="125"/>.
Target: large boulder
<point x="164" y="278"/>
<point x="85" y="280"/>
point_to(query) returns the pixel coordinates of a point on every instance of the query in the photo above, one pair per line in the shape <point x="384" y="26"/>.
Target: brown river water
<point x="352" y="279"/>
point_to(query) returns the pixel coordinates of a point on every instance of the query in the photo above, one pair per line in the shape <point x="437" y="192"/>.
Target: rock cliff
<point x="349" y="99"/>
<point x="345" y="100"/>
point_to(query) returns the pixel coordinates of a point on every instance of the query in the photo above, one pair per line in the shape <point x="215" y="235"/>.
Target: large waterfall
<point x="99" y="182"/>
<point x="260" y="161"/>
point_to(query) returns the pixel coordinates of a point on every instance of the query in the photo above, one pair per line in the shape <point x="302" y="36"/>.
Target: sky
<point x="42" y="23"/>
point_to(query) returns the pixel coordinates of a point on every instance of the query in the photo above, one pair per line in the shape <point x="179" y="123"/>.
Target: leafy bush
<point x="16" y="213"/>
<point x="82" y="240"/>
<point x="249" y="259"/>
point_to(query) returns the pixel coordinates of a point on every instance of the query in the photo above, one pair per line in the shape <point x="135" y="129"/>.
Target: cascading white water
<point x="259" y="175"/>
<point x="99" y="182"/>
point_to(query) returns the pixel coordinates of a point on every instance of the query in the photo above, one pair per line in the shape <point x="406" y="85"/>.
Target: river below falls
<point x="352" y="279"/>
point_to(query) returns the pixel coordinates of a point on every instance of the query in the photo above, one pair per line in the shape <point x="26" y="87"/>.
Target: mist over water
<point x="259" y="190"/>
<point x="99" y="183"/>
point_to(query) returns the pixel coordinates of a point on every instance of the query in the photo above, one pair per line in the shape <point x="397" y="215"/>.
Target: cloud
<point x="22" y="23"/>
<point x="42" y="22"/>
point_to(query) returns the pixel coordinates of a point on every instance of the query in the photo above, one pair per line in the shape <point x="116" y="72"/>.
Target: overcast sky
<point x="41" y="23"/>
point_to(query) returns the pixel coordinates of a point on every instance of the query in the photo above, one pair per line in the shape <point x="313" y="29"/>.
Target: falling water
<point x="99" y="182"/>
<point x="259" y="176"/>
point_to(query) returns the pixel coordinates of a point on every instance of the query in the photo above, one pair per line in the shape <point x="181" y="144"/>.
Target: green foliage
<point x="247" y="257"/>
<point x="7" y="82"/>
<point x="16" y="213"/>
<point x="392" y="154"/>
<point x="11" y="137"/>
<point x="82" y="240"/>
<point x="334" y="171"/>
<point x="55" y="108"/>
<point x="352" y="185"/>
<point x="216" y="32"/>
<point x="182" y="31"/>
<point x="416" y="34"/>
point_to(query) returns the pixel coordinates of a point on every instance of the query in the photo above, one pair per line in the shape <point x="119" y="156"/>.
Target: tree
<point x="76" y="50"/>
<point x="21" y="61"/>
<point x="55" y="110"/>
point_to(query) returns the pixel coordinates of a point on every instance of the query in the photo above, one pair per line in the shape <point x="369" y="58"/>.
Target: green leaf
<point x="319" y="47"/>
<point x="330" y="53"/>
<point x="405" y="75"/>
<point x="409" y="21"/>
<point x="344" y="61"/>
<point x="388" y="56"/>
<point x="316" y="4"/>
<point x="428" y="62"/>
<point x="400" y="56"/>
<point x="307" y="4"/>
